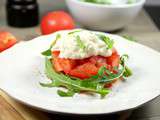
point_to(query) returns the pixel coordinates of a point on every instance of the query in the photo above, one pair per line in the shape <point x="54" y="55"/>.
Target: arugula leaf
<point x="98" y="1"/>
<point x="109" y="2"/>
<point x="80" y="43"/>
<point x="130" y="1"/>
<point x="52" y="84"/>
<point x="94" y="84"/>
<point x="124" y="58"/>
<point x="130" y="38"/>
<point x="48" y="52"/>
<point x="101" y="71"/>
<point x="70" y="33"/>
<point x="109" y="42"/>
<point x="127" y="70"/>
<point x="106" y="76"/>
<point x="69" y="93"/>
<point x="59" y="80"/>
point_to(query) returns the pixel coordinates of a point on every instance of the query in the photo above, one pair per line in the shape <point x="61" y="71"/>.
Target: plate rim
<point x="76" y="113"/>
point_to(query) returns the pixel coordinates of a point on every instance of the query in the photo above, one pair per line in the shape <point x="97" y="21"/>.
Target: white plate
<point x="22" y="68"/>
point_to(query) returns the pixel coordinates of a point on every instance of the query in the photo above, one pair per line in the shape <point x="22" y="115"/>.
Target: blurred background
<point x="54" y="4"/>
<point x="153" y="2"/>
<point x="145" y="29"/>
<point x="151" y="6"/>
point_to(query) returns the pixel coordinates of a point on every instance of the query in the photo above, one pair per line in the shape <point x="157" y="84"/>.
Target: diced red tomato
<point x="81" y="62"/>
<point x="62" y="64"/>
<point x="55" y="61"/>
<point x="55" y="53"/>
<point x="65" y="65"/>
<point x="84" y="68"/>
<point x="99" y="61"/>
<point x="57" y="65"/>
<point x="113" y="60"/>
<point x="84" y="71"/>
<point x="108" y="85"/>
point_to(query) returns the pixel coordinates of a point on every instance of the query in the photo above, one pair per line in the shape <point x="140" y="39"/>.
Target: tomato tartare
<point x="84" y="61"/>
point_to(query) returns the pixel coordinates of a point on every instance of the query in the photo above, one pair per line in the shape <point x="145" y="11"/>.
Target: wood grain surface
<point x="142" y="28"/>
<point x="13" y="110"/>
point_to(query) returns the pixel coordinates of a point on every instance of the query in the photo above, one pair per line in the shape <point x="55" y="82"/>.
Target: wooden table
<point x="142" y="28"/>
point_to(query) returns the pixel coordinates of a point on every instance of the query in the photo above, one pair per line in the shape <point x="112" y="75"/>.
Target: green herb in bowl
<point x="110" y="2"/>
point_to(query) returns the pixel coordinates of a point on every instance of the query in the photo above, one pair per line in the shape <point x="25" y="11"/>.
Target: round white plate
<point x="22" y="68"/>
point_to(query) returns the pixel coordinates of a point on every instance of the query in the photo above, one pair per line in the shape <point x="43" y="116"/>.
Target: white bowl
<point x="104" y="17"/>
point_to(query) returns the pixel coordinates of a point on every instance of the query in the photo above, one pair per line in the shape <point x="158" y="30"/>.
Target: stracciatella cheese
<point x="69" y="48"/>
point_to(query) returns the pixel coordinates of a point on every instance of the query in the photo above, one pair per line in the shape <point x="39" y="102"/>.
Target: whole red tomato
<point x="7" y="40"/>
<point x="55" y="21"/>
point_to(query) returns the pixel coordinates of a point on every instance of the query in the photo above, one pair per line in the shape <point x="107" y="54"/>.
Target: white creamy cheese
<point x="69" y="48"/>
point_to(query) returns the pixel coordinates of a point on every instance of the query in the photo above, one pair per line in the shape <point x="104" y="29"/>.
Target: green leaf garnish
<point x="48" y="52"/>
<point x="76" y="85"/>
<point x="101" y="71"/>
<point x="98" y="1"/>
<point x="109" y="42"/>
<point x="52" y="84"/>
<point x="94" y="84"/>
<point x="80" y="43"/>
<point x="127" y="70"/>
<point x="130" y="38"/>
<point x="106" y="76"/>
<point x="109" y="2"/>
<point x="70" y="33"/>
<point x="130" y="1"/>
<point x="69" y="93"/>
